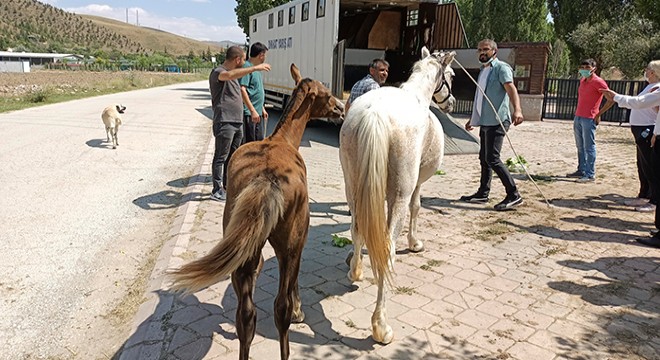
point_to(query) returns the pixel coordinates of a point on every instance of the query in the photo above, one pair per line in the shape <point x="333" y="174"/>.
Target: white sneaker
<point x="648" y="207"/>
<point x="636" y="202"/>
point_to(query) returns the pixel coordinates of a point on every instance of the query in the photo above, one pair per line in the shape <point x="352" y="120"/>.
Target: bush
<point x="38" y="96"/>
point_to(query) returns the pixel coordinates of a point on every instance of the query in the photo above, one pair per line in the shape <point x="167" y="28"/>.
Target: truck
<point x="333" y="41"/>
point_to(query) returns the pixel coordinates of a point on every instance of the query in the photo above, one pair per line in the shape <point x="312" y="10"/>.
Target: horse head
<point x="444" y="77"/>
<point x="324" y="104"/>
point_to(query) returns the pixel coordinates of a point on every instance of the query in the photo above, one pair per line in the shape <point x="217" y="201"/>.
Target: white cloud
<point x="184" y="26"/>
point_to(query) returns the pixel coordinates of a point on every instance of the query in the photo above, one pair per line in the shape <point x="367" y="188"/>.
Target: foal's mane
<point x="295" y="101"/>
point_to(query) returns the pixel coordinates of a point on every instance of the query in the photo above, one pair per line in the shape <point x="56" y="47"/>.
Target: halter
<point x="443" y="85"/>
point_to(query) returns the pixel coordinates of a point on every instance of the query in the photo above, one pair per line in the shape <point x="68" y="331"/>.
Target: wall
<point x="15" y="66"/>
<point x="532" y="106"/>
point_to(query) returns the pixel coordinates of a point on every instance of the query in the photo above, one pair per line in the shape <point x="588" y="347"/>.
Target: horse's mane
<point x="425" y="71"/>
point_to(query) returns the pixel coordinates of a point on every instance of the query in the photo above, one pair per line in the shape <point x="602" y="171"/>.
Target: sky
<point x="213" y="20"/>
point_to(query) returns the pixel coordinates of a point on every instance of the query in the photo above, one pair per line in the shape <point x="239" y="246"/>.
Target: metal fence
<point x="560" y="98"/>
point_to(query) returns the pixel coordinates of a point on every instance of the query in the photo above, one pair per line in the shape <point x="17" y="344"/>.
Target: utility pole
<point x="137" y="17"/>
<point x="127" y="15"/>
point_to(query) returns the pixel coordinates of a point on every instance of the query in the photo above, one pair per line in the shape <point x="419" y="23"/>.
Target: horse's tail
<point x="373" y="138"/>
<point x="257" y="210"/>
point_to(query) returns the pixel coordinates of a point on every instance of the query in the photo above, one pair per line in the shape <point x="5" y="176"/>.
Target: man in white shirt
<point x="642" y="124"/>
<point x="650" y="100"/>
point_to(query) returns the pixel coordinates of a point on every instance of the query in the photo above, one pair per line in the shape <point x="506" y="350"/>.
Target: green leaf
<point x="340" y="241"/>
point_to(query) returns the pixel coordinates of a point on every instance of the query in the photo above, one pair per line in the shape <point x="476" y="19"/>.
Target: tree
<point x="505" y="21"/>
<point x="628" y="43"/>
<point x="246" y="8"/>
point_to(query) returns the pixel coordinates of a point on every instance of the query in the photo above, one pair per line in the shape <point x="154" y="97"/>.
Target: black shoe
<point x="509" y="202"/>
<point x="476" y="198"/>
<point x="654" y="232"/>
<point x="577" y="174"/>
<point x="651" y="241"/>
<point x="219" y="195"/>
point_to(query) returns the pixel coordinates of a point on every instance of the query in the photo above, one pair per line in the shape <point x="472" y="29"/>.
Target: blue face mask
<point x="584" y="73"/>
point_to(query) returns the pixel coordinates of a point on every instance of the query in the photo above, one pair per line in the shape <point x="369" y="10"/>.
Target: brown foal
<point x="266" y="201"/>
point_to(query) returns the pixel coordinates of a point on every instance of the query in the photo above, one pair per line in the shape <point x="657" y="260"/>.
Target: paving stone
<point x="476" y="319"/>
<point x="530" y="351"/>
<point x="512" y="329"/>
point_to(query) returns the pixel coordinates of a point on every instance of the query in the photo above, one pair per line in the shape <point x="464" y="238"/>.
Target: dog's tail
<point x="257" y="210"/>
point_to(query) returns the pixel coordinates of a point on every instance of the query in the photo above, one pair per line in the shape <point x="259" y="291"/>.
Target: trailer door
<point x="338" y="71"/>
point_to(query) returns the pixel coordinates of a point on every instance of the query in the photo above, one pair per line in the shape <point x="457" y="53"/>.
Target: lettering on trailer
<point x="283" y="43"/>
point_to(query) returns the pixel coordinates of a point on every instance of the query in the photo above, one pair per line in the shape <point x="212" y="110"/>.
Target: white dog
<point x="112" y="120"/>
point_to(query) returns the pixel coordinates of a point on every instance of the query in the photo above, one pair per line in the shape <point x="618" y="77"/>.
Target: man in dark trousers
<point x="254" y="97"/>
<point x="227" y="114"/>
<point x="496" y="79"/>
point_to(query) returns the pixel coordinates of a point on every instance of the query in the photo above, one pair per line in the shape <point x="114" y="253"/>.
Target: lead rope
<point x="505" y="133"/>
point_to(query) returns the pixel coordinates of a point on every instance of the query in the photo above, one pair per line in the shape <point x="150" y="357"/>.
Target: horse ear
<point x="425" y="52"/>
<point x="295" y="73"/>
<point x="448" y="58"/>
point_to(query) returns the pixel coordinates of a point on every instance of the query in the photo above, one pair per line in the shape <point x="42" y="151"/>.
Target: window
<point x="270" y="21"/>
<point x="305" y="12"/>
<point x="521" y="77"/>
<point x="280" y="18"/>
<point x="292" y="15"/>
<point x="320" y="9"/>
<point x="254" y="25"/>
<point x="413" y="18"/>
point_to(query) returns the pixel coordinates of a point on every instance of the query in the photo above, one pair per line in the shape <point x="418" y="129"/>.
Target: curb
<point x="147" y="333"/>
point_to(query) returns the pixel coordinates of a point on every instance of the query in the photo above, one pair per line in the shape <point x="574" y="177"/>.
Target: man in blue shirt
<point x="254" y="97"/>
<point x="496" y="78"/>
<point x="378" y="71"/>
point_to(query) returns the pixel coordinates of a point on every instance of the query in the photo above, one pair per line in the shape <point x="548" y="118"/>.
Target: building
<point x="24" y="61"/>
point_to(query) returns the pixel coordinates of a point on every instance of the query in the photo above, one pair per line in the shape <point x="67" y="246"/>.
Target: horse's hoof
<point x="418" y="247"/>
<point x="384" y="338"/>
<point x="297" y="317"/>
<point x="355" y="278"/>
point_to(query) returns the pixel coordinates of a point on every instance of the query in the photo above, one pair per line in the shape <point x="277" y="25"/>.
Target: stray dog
<point x="112" y="120"/>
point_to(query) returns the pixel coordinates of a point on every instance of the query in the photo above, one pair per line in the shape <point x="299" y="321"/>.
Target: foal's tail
<point x="257" y="210"/>
<point x="373" y="139"/>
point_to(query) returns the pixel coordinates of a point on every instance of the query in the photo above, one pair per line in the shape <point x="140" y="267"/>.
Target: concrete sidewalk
<point x="565" y="281"/>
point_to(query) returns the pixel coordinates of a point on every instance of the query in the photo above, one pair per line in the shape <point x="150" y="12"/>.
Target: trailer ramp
<point x="457" y="139"/>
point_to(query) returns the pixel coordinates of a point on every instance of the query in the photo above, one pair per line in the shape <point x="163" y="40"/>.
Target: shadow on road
<point x="627" y="284"/>
<point x="99" y="143"/>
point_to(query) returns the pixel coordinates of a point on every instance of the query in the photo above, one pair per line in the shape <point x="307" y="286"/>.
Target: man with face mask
<point x="496" y="80"/>
<point x="227" y="114"/>
<point x="378" y="71"/>
<point x="587" y="117"/>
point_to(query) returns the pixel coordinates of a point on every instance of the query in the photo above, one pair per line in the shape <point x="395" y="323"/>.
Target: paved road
<point x="80" y="223"/>
<point x="544" y="283"/>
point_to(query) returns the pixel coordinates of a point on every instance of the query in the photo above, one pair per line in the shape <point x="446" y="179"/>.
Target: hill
<point x="154" y="39"/>
<point x="29" y="25"/>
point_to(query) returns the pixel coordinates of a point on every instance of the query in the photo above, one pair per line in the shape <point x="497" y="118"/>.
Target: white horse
<point x="390" y="143"/>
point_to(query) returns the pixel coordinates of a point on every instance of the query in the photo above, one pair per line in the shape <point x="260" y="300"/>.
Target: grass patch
<point x="431" y="264"/>
<point x="440" y="172"/>
<point x="76" y="86"/>
<point x="543" y="178"/>
<point x="404" y="290"/>
<point x="340" y="241"/>
<point x="350" y="323"/>
<point x="496" y="231"/>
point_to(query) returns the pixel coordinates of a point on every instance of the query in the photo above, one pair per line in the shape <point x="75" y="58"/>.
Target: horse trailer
<point x="333" y="41"/>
